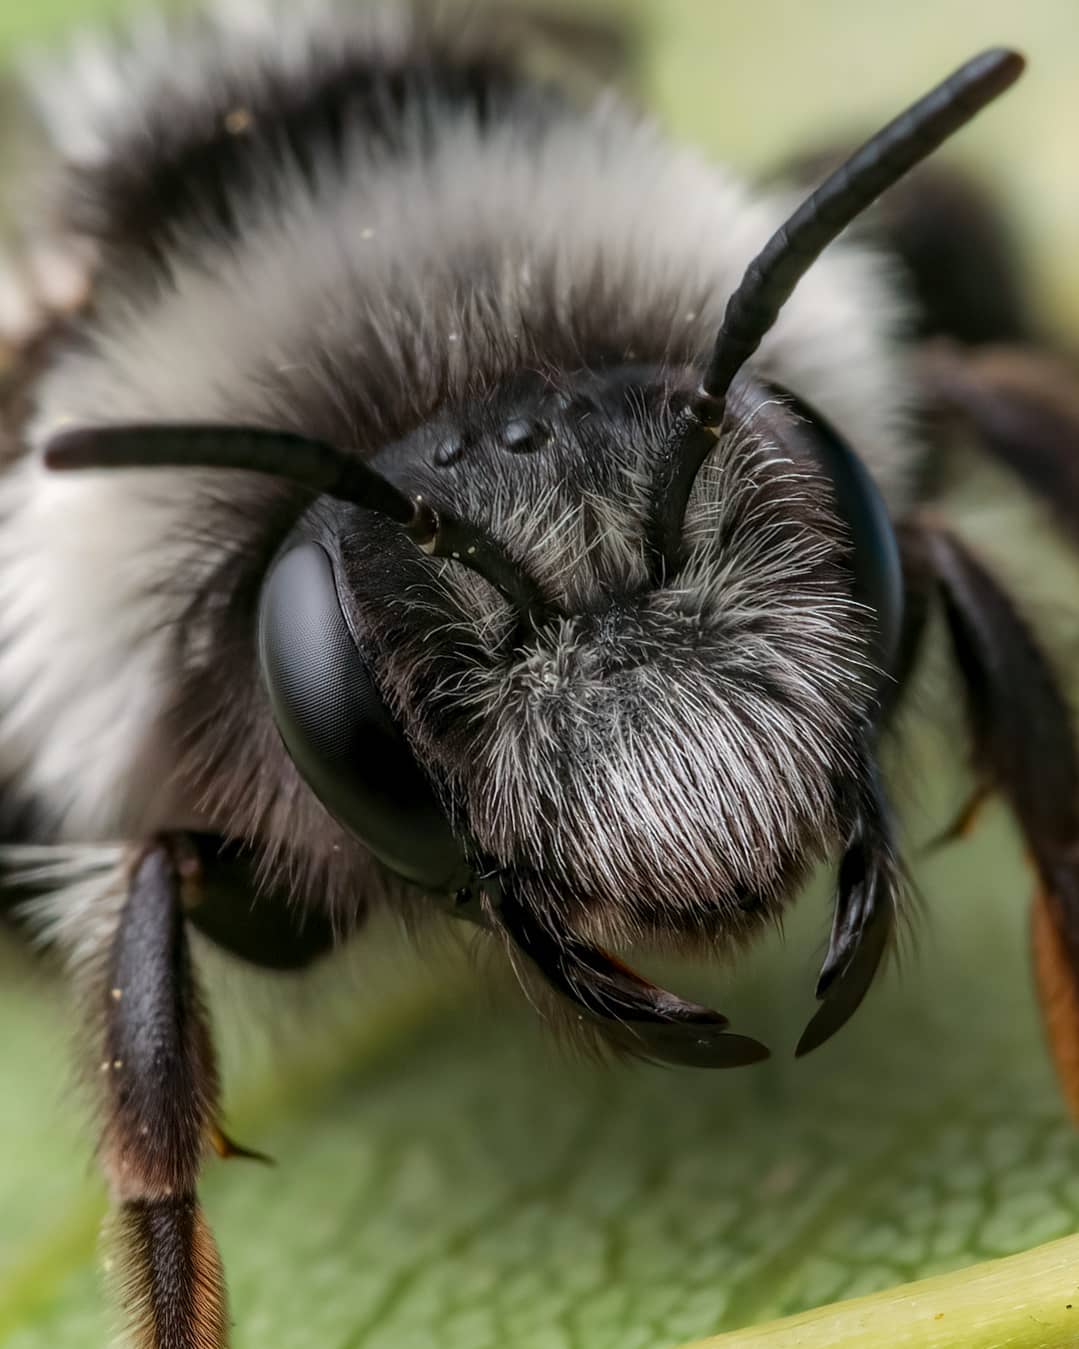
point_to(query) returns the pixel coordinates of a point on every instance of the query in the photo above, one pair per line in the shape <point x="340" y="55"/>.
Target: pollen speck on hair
<point x="239" y="121"/>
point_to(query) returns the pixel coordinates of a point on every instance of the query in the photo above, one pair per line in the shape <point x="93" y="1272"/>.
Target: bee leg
<point x="1021" y="407"/>
<point x="918" y="587"/>
<point x="161" y="1098"/>
<point x="1025" y="743"/>
<point x="262" y="927"/>
<point x="966" y="818"/>
<point x="227" y="1148"/>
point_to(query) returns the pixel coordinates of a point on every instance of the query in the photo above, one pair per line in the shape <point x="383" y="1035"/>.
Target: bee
<point x="426" y="487"/>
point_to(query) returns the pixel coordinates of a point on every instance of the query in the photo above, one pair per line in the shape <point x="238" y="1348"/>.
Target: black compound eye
<point x="878" y="569"/>
<point x="338" y="730"/>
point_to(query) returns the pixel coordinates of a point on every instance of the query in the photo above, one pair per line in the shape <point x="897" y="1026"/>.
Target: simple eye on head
<point x="339" y="732"/>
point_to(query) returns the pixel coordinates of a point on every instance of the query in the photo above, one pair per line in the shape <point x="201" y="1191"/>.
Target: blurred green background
<point x="447" y="1176"/>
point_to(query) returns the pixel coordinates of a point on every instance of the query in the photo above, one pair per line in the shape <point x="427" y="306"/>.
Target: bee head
<point x="647" y="746"/>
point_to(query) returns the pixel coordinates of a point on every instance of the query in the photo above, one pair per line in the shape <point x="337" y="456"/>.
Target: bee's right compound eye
<point x="338" y="730"/>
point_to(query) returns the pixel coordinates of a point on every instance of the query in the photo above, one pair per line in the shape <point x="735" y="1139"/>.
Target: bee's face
<point x="659" y="756"/>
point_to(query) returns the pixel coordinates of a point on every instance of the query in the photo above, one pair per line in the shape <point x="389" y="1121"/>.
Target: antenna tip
<point x="1014" y="60"/>
<point x="997" y="68"/>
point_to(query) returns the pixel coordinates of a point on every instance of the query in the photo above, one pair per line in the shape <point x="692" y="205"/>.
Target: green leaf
<point x="449" y="1176"/>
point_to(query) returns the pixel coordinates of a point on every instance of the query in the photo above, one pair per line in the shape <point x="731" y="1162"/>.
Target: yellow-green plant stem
<point x="1030" y="1300"/>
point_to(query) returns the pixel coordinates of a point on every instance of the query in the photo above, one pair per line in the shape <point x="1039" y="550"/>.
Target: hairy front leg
<point x="160" y="1112"/>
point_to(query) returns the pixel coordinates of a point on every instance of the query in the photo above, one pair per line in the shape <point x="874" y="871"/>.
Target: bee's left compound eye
<point x="338" y="730"/>
<point x="878" y="571"/>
